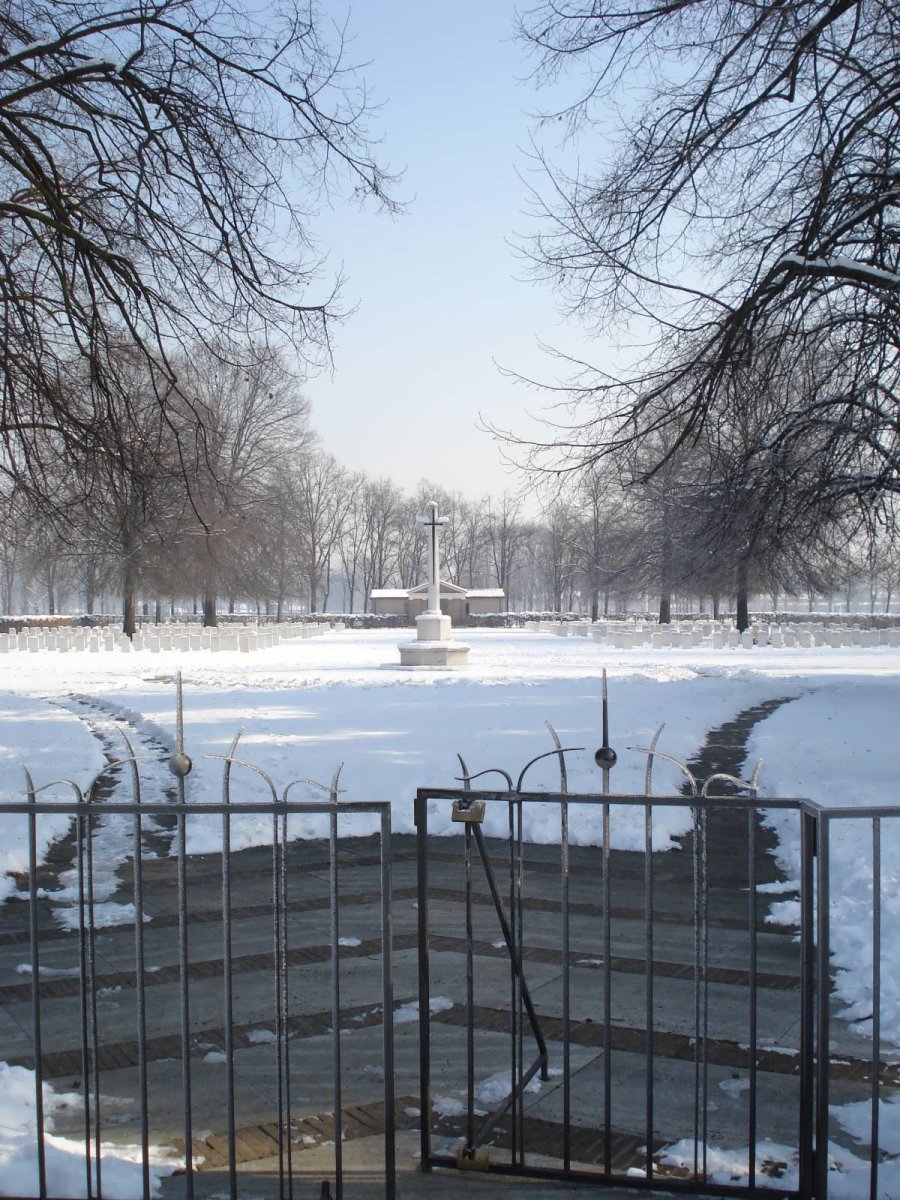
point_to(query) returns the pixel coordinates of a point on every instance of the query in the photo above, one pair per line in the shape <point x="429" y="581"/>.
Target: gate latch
<point x="469" y="812"/>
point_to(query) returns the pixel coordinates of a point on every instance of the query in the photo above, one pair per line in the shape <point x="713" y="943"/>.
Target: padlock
<point x="469" y="812"/>
<point x="478" y="1159"/>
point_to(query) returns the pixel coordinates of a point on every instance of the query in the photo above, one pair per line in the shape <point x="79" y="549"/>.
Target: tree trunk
<point x="743" y="607"/>
<point x="157" y="613"/>
<point x="129" y="599"/>
<point x="716" y="602"/>
<point x="326" y="592"/>
<point x="90" y="589"/>
<point x="210" y="612"/>
<point x="665" y="573"/>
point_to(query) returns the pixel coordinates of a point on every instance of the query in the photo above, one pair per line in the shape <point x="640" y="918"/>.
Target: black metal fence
<point x="614" y="1015"/>
<point x="658" y="1031"/>
<point x="207" y="1022"/>
<point x="838" y="878"/>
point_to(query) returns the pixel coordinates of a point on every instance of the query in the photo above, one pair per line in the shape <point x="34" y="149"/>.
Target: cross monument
<point x="434" y="645"/>
<point x="434" y="523"/>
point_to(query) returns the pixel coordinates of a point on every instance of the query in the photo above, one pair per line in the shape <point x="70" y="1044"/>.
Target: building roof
<point x="447" y="590"/>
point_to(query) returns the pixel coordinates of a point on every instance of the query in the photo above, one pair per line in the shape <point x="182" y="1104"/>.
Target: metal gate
<point x="612" y="1037"/>
<point x="629" y="1018"/>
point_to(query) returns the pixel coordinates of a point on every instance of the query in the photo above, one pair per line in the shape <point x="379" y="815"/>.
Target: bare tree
<point x="160" y="162"/>
<point x="246" y="419"/>
<point x="123" y="507"/>
<point x="379" y="511"/>
<point x="351" y="546"/>
<point x="16" y="527"/>
<point x="608" y="538"/>
<point x="749" y="209"/>
<point x="558" y="563"/>
<point x="465" y="541"/>
<point x="322" y="503"/>
<point x="505" y="535"/>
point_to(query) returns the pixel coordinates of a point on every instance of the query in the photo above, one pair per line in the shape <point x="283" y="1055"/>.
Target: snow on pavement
<point x="837" y="745"/>
<point x="307" y="705"/>
<point x="52" y="744"/>
<point x="64" y="1157"/>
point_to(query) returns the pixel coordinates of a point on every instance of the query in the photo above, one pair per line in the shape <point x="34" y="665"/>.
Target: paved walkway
<point x="309" y="974"/>
<point x="724" y="1081"/>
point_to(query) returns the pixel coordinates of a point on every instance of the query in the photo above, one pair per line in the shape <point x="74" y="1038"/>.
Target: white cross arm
<point x="432" y="520"/>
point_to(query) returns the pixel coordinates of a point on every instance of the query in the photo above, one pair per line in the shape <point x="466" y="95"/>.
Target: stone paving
<point x="310" y="1019"/>
<point x="361" y="1024"/>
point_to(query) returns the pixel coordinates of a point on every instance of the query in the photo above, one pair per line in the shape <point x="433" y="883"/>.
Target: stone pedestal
<point x="434" y="646"/>
<point x="433" y="627"/>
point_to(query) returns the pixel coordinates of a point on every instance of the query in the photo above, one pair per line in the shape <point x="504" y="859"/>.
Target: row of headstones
<point x="622" y="636"/>
<point x="159" y="639"/>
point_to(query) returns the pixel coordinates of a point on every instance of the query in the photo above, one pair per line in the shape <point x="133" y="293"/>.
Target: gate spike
<point x="333" y="790"/>
<point x="563" y="775"/>
<point x="179" y="714"/>
<point x="745" y="785"/>
<point x="648" y="777"/>
<point x="226" y="770"/>
<point x="466" y="780"/>
<point x="683" y="767"/>
<point x="132" y="762"/>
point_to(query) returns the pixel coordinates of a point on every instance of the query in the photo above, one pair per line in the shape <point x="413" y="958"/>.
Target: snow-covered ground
<point x="307" y="706"/>
<point x="64" y="1157"/>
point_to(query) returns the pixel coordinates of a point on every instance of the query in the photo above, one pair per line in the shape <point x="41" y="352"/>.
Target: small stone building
<point x="457" y="602"/>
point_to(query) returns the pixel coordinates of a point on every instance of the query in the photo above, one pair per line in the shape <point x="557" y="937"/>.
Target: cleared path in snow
<point x="673" y="1014"/>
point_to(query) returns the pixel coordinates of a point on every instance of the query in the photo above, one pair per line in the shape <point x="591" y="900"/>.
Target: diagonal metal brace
<point x="540" y="1063"/>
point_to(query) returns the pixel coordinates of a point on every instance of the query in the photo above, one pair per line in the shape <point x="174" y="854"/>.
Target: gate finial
<point x="605" y="757"/>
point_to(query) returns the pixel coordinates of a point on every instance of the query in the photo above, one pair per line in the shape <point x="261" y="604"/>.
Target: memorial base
<point x="434" y="654"/>
<point x="433" y="627"/>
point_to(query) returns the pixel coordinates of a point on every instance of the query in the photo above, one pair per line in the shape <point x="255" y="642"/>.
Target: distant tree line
<point x="273" y="524"/>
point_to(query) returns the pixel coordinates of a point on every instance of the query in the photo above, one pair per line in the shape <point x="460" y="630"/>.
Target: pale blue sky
<point x="439" y="290"/>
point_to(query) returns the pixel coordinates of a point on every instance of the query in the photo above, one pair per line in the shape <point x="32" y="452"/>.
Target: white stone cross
<point x="434" y="522"/>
